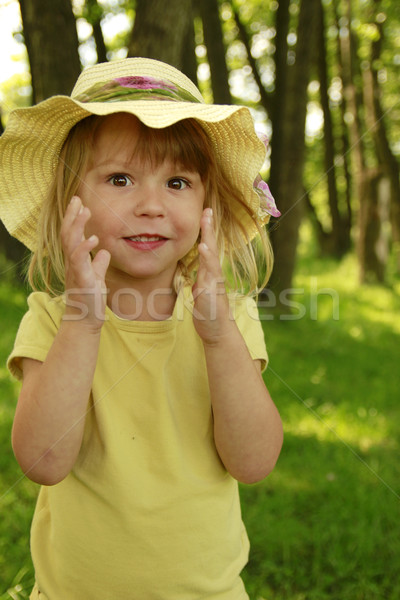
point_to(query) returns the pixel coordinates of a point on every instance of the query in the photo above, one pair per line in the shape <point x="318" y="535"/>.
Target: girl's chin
<point x="121" y="277"/>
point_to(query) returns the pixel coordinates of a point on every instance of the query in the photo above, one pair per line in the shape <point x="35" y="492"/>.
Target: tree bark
<point x="214" y="41"/>
<point x="278" y="108"/>
<point x="288" y="150"/>
<point x="324" y="239"/>
<point x="52" y="43"/>
<point x="339" y="234"/>
<point x="345" y="145"/>
<point x="188" y="59"/>
<point x="160" y="29"/>
<point x="366" y="179"/>
<point x="372" y="263"/>
<point x="94" y="14"/>
<point x="377" y="126"/>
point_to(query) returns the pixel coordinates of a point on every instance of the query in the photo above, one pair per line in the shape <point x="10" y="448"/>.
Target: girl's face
<point x="146" y="215"/>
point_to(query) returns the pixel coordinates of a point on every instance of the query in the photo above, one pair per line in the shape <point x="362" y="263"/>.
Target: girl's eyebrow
<point x="111" y="164"/>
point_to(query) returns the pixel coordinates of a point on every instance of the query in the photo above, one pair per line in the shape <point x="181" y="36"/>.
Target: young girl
<point x="142" y="402"/>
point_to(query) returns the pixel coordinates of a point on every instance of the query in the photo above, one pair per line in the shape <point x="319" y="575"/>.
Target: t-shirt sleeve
<point x="247" y="319"/>
<point x="36" y="331"/>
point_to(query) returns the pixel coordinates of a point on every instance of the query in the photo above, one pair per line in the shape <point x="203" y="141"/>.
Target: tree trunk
<point x="188" y="59"/>
<point x="213" y="39"/>
<point x="52" y="43"/>
<point x="94" y="13"/>
<point x="372" y="261"/>
<point x="160" y="29"/>
<point x="365" y="178"/>
<point x="339" y="234"/>
<point x="278" y="109"/>
<point x="345" y="145"/>
<point x="288" y="160"/>
<point x="377" y="126"/>
<point x="324" y="238"/>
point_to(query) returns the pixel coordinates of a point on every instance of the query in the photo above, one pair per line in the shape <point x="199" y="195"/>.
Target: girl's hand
<point x="211" y="315"/>
<point x="85" y="287"/>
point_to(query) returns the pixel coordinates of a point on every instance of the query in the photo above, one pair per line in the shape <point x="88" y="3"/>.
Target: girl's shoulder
<point x="42" y="301"/>
<point x="243" y="306"/>
<point x="36" y="331"/>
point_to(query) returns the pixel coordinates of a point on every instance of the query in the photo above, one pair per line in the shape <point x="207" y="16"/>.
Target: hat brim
<point x="34" y="136"/>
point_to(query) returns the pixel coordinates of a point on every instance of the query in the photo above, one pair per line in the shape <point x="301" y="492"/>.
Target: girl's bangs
<point x="184" y="144"/>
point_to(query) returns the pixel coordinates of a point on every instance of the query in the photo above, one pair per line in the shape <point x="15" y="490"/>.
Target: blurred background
<point x="321" y="78"/>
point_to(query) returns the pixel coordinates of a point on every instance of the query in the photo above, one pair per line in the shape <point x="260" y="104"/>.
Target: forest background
<point x="321" y="78"/>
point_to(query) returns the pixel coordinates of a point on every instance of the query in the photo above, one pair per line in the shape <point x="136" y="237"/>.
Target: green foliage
<point x="17" y="494"/>
<point x="16" y="92"/>
<point x="324" y="524"/>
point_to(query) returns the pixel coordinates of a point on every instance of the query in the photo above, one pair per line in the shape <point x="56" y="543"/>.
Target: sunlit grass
<point x="324" y="524"/>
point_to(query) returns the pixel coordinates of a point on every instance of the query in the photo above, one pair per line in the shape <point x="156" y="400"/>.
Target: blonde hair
<point x="247" y="263"/>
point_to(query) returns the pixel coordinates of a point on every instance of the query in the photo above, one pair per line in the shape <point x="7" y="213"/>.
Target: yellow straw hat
<point x="159" y="95"/>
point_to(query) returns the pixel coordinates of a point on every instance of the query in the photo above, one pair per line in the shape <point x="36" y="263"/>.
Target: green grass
<point x="17" y="494"/>
<point x="324" y="524"/>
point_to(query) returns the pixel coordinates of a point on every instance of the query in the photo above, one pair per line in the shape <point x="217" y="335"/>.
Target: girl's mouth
<point x="145" y="241"/>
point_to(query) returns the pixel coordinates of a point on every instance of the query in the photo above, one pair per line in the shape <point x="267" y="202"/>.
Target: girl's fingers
<point x="73" y="226"/>
<point x="73" y="210"/>
<point x="78" y="263"/>
<point x="100" y="263"/>
<point x="81" y="252"/>
<point x="84" y="277"/>
<point x="208" y="248"/>
<point x="82" y="270"/>
<point x="207" y="230"/>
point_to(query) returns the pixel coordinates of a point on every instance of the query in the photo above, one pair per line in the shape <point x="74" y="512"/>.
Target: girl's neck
<point x="143" y="302"/>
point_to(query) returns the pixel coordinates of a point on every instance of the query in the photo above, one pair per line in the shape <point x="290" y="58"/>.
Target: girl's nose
<point x="149" y="202"/>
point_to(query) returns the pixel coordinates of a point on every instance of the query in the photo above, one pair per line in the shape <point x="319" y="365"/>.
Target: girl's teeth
<point x="145" y="238"/>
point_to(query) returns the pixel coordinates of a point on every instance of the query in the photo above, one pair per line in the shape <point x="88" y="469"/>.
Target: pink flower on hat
<point x="144" y="83"/>
<point x="267" y="202"/>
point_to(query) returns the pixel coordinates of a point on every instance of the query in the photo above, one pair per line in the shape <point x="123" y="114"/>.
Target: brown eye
<point x="177" y="183"/>
<point x="120" y="180"/>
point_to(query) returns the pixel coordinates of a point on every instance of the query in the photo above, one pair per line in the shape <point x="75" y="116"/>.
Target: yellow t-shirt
<point x="148" y="511"/>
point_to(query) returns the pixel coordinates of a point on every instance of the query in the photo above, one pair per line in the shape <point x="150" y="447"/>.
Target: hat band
<point x="135" y="88"/>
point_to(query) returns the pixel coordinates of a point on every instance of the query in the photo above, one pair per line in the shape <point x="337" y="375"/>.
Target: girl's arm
<point x="247" y="427"/>
<point x="49" y="420"/>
